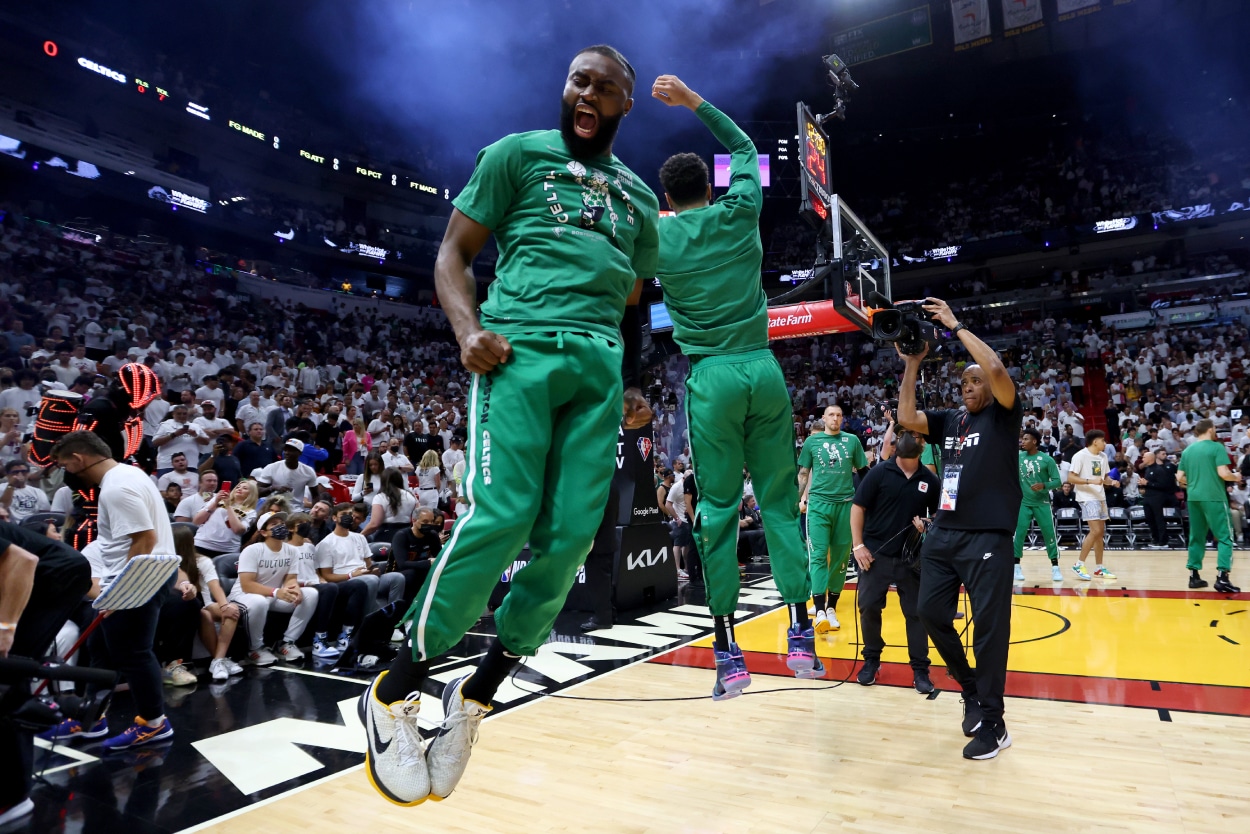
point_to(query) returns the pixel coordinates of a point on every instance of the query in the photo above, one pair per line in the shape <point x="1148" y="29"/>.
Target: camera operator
<point x="891" y="501"/>
<point x="132" y="522"/>
<point x="41" y="582"/>
<point x="971" y="539"/>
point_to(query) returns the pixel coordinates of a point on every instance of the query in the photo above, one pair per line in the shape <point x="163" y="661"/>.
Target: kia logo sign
<point x="645" y="558"/>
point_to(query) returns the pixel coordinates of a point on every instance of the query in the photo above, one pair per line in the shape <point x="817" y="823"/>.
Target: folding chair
<point x="1068" y="523"/>
<point x="1118" y="528"/>
<point x="1138" y="525"/>
<point x="1174" y="526"/>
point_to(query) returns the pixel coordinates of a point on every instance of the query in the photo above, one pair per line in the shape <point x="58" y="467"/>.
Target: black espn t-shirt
<point x="986" y="445"/>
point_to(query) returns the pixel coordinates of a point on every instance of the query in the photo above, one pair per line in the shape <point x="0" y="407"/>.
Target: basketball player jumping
<point x="736" y="400"/>
<point x="576" y="231"/>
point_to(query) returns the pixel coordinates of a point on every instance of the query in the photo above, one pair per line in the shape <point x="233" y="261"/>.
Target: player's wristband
<point x="275" y="593"/>
<point x="859" y="547"/>
<point x="8" y="626"/>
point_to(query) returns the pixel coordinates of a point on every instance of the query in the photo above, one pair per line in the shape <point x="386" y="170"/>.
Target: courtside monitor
<point x="814" y="183"/>
<point x="660" y="319"/>
<point x="721" y="170"/>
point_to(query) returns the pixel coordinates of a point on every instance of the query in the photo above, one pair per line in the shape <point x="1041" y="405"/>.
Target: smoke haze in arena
<point x="466" y="73"/>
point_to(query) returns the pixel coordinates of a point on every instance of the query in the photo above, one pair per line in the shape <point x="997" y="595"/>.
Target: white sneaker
<point x="21" y="809"/>
<point x="395" y="760"/>
<point x="175" y="674"/>
<point x="1056" y="573"/>
<point x="218" y="670"/>
<point x="448" y="754"/>
<point x="232" y="667"/>
<point x="1019" y="576"/>
<point x="397" y="636"/>
<point x="833" y="619"/>
<point x="821" y="622"/>
<point x="290" y="652"/>
<point x="261" y="657"/>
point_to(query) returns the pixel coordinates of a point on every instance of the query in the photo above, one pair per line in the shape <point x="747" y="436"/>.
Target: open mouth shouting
<point x="585" y="120"/>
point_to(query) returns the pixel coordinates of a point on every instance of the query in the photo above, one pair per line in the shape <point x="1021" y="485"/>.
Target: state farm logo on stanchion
<point x="808" y="319"/>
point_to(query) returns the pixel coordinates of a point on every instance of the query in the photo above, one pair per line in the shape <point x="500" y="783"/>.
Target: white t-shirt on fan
<point x="271" y="567"/>
<point x="403" y="514"/>
<point x="129" y="504"/>
<point x="1085" y="464"/>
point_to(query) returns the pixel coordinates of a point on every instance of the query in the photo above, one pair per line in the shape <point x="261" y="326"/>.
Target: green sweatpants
<point x="542" y="432"/>
<point x="740" y="413"/>
<point x="1045" y="523"/>
<point x="1213" y="516"/>
<point x="828" y="543"/>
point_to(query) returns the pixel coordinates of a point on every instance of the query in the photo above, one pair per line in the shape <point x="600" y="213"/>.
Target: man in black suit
<point x="275" y="423"/>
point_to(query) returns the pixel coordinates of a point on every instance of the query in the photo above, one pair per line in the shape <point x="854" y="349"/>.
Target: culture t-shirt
<point x="710" y="257"/>
<point x="573" y="234"/>
<point x="832" y="459"/>
<point x="271" y="567"/>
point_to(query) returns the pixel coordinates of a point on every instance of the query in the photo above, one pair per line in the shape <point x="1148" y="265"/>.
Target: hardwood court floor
<point x="851" y="758"/>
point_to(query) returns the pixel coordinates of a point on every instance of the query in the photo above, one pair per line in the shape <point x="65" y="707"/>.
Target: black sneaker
<point x="593" y="624"/>
<point x="988" y="741"/>
<point x="920" y="680"/>
<point x="1196" y="581"/>
<point x="1224" y="586"/>
<point x="972" y="715"/>
<point x="868" y="674"/>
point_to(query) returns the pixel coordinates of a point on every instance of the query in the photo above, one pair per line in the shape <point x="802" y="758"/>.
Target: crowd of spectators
<point x="352" y="423"/>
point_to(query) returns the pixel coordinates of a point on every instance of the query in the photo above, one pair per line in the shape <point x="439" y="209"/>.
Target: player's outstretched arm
<point x="744" y="167"/>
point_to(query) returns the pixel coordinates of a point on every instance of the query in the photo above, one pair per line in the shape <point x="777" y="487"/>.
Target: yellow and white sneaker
<point x="449" y="751"/>
<point x="395" y="759"/>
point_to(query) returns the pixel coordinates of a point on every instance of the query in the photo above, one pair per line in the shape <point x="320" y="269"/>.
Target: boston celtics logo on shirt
<point x="596" y="196"/>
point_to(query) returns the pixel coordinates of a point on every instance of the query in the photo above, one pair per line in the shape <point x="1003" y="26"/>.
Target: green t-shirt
<point x="1200" y="462"/>
<point x="573" y="234"/>
<point x="832" y="459"/>
<point x="710" y="257"/>
<point x="1038" y="469"/>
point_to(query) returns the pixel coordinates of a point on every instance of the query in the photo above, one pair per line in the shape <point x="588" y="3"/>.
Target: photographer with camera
<point x="971" y="539"/>
<point x="42" y="581"/>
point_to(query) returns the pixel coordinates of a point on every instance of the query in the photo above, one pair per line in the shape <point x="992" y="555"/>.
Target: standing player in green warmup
<point x="576" y="231"/>
<point x="827" y="463"/>
<point x="738" y="406"/>
<point x="1038" y="476"/>
<point x="1203" y="471"/>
